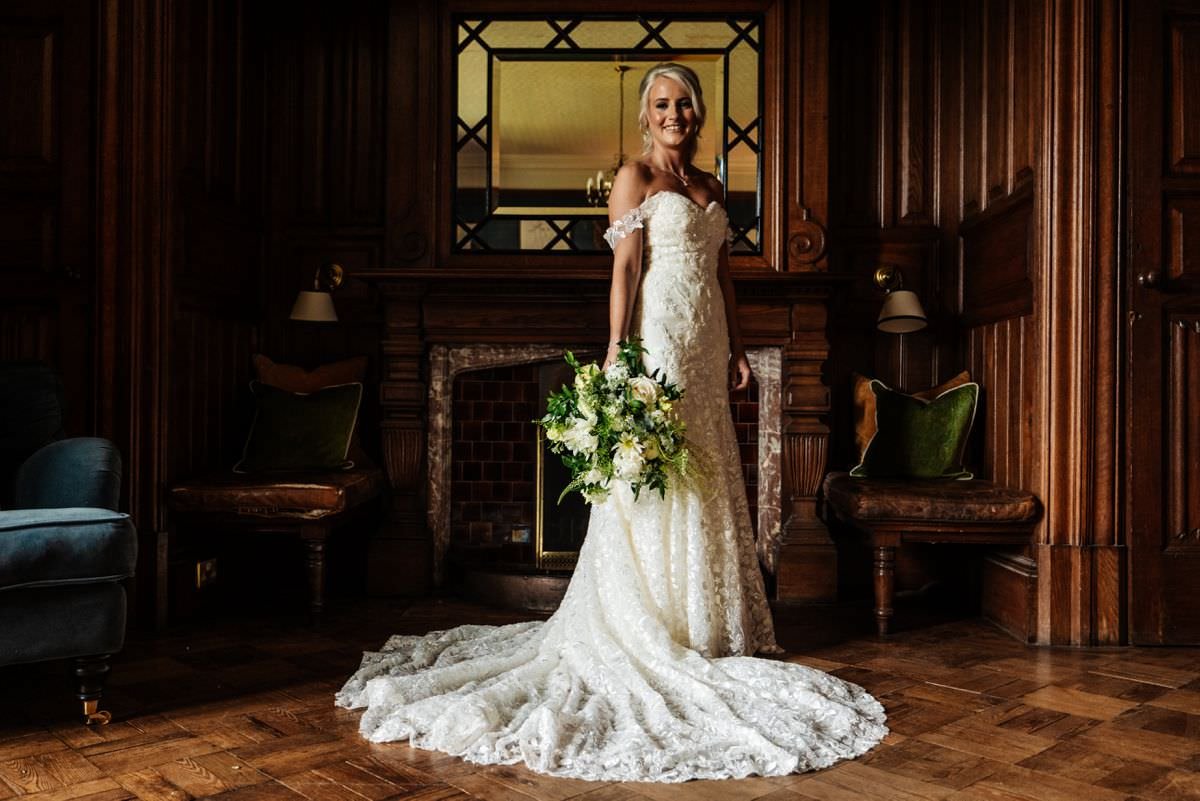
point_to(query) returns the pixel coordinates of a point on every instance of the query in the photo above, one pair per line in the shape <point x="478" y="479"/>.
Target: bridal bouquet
<point x="616" y="425"/>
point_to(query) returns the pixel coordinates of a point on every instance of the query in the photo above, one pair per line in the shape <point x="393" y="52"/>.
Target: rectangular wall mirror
<point x="546" y="110"/>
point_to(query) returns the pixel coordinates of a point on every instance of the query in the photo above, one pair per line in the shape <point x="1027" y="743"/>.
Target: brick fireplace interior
<point x="493" y="461"/>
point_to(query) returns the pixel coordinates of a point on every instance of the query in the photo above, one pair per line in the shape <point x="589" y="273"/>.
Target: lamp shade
<point x="902" y="313"/>
<point x="314" y="307"/>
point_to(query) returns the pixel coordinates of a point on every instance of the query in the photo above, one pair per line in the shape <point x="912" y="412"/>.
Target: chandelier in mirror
<point x="534" y="142"/>
<point x="598" y="190"/>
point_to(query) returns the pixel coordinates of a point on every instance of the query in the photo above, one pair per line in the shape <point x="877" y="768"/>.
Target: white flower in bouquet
<point x="580" y="438"/>
<point x="616" y="374"/>
<point x="614" y="411"/>
<point x="645" y="389"/>
<point x="617" y="425"/>
<point x="595" y="476"/>
<point x="595" y="495"/>
<point x="627" y="457"/>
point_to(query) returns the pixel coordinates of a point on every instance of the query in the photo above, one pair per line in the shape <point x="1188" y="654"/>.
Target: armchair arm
<point x="65" y="546"/>
<point x="77" y="472"/>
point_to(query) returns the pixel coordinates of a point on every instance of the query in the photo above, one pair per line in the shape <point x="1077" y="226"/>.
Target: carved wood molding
<point x="807" y="163"/>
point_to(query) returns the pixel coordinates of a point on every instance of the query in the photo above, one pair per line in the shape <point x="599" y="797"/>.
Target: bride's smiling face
<point x="670" y="115"/>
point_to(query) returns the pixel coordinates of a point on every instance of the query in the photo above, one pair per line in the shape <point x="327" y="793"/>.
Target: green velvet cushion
<point x="301" y="431"/>
<point x="918" y="438"/>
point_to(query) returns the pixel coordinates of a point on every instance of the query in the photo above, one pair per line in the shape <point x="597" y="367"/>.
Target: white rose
<point x="644" y="388"/>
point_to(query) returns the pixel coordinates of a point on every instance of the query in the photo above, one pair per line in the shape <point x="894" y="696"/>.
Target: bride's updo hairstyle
<point x="682" y="75"/>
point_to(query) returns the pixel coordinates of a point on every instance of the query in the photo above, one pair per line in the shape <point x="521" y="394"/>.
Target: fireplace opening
<point x="486" y="490"/>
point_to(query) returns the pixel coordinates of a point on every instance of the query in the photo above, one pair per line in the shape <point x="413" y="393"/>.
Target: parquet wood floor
<point x="242" y="709"/>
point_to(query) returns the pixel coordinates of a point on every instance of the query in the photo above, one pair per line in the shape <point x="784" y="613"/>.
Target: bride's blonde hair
<point x="687" y="78"/>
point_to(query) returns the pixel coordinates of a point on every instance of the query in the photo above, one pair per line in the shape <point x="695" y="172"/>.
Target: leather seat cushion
<point x="298" y="495"/>
<point x="929" y="500"/>
<point x="47" y="547"/>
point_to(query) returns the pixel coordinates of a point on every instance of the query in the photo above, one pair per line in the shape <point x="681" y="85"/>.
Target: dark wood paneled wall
<point x="234" y="149"/>
<point x="976" y="147"/>
<point x="1036" y="212"/>
<point x="884" y="174"/>
<point x="47" y="265"/>
<point x="990" y="86"/>
<point x="216" y="289"/>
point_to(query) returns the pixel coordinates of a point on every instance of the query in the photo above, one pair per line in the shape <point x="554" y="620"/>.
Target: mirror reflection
<point x="547" y="111"/>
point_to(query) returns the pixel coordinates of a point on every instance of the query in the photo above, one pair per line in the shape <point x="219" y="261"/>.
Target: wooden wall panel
<point x="990" y="247"/>
<point x="1184" y="133"/>
<point x="209" y="402"/>
<point x="46" y="253"/>
<point x="887" y="157"/>
<point x="216" y="291"/>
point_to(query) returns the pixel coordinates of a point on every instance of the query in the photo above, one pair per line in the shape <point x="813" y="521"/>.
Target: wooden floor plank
<point x="48" y="771"/>
<point x="210" y="774"/>
<point x="243" y="709"/>
<point x="1180" y="700"/>
<point x="105" y="789"/>
<point x="1078" y="702"/>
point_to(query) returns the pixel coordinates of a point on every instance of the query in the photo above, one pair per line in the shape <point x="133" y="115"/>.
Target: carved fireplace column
<point x="400" y="553"/>
<point x="806" y="567"/>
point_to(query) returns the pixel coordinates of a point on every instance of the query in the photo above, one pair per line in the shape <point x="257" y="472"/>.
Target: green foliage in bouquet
<point x="616" y="425"/>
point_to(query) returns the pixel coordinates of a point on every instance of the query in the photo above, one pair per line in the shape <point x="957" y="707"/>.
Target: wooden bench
<point x="310" y="505"/>
<point x="894" y="512"/>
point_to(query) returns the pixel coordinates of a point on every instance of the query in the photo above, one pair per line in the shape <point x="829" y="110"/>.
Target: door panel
<point x="1164" y="373"/>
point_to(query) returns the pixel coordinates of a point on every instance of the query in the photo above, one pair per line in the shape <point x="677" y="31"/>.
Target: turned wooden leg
<point x="316" y="574"/>
<point x="90" y="672"/>
<point x="885" y="586"/>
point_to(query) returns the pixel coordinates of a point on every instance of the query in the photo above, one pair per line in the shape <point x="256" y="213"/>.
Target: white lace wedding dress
<point x="644" y="672"/>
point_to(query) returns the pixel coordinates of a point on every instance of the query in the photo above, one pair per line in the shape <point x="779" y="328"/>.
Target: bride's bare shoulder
<point x="633" y="175"/>
<point x="629" y="188"/>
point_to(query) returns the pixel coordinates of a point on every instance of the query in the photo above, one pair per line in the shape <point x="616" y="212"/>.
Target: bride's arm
<point x="625" y="199"/>
<point x="739" y="363"/>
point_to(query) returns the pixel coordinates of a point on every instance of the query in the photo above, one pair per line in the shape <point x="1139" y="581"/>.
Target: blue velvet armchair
<point x="64" y="549"/>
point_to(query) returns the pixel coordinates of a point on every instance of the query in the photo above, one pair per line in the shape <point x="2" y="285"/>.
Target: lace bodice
<point x="645" y="671"/>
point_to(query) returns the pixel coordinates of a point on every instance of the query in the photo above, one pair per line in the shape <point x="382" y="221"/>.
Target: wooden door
<point x="1164" y="346"/>
<point x="46" y="264"/>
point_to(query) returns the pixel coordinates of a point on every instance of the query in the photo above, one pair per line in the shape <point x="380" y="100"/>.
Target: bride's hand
<point x="611" y="357"/>
<point x="741" y="372"/>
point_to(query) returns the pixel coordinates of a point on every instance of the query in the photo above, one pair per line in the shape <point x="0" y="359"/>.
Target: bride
<point x="646" y="671"/>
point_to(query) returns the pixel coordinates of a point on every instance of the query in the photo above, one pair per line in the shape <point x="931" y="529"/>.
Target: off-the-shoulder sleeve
<point x="623" y="227"/>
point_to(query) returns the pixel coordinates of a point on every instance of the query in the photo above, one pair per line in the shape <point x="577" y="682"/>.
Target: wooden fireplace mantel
<point x="423" y="309"/>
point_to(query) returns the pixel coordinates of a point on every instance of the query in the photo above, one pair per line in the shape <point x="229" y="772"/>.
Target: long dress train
<point x="645" y="672"/>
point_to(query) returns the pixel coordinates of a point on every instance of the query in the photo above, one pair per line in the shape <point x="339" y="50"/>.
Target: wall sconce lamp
<point x="316" y="305"/>
<point x="902" y="312"/>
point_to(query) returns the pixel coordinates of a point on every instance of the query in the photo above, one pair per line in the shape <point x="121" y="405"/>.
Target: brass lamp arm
<point x="328" y="277"/>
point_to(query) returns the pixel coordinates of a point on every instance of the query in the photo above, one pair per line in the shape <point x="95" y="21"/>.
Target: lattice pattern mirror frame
<point x="495" y="59"/>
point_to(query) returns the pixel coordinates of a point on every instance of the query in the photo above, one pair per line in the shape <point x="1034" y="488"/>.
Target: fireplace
<point x="483" y="451"/>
